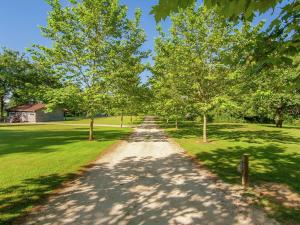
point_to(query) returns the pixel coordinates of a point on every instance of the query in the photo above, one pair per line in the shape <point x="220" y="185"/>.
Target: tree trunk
<point x="122" y="119"/>
<point x="91" y="133"/>
<point x="279" y="123"/>
<point x="204" y="129"/>
<point x="131" y="119"/>
<point x="2" y="108"/>
<point x="279" y="117"/>
<point x="176" y="123"/>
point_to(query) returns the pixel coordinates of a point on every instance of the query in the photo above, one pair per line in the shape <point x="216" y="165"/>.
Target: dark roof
<point x="27" y="108"/>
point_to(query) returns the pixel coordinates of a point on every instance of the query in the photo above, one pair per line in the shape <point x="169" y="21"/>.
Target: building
<point x="33" y="113"/>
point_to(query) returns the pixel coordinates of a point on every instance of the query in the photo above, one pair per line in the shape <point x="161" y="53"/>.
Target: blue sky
<point x="19" y="21"/>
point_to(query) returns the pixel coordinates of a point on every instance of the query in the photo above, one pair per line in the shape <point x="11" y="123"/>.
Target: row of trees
<point x="94" y="60"/>
<point x="207" y="63"/>
<point x="96" y="56"/>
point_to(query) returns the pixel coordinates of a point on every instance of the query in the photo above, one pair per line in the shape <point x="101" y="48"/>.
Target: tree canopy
<point x="206" y="64"/>
<point x="95" y="51"/>
<point x="189" y="66"/>
<point x="284" y="29"/>
<point x="22" y="81"/>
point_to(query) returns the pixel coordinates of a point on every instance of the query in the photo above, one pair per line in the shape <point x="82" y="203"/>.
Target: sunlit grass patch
<point x="35" y="159"/>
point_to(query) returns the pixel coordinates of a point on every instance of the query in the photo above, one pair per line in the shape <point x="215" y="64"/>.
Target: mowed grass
<point x="35" y="159"/>
<point x="111" y="120"/>
<point x="274" y="154"/>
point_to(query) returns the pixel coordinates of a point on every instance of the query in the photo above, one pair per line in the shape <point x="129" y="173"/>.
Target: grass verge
<point x="35" y="159"/>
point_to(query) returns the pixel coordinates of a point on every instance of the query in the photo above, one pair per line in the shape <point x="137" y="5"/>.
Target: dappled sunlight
<point x="281" y="193"/>
<point x="36" y="159"/>
<point x="147" y="191"/>
<point x="47" y="139"/>
<point x="273" y="157"/>
<point x="147" y="180"/>
<point x="267" y="163"/>
<point x="238" y="132"/>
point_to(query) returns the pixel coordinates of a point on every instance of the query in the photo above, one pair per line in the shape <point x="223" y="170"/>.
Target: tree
<point x="9" y="61"/>
<point x="21" y="81"/>
<point x="128" y="66"/>
<point x="169" y="103"/>
<point x="264" y="88"/>
<point x="89" y="37"/>
<point x="169" y="99"/>
<point x="271" y="93"/>
<point x="262" y="63"/>
<point x="192" y="60"/>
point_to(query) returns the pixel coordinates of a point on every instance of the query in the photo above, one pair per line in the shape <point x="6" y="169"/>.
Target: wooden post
<point x="245" y="171"/>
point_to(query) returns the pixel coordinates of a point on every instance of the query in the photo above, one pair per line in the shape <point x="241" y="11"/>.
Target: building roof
<point x="27" y="108"/>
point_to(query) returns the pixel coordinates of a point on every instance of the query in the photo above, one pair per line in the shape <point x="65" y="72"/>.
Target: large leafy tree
<point x="264" y="87"/>
<point x="21" y="81"/>
<point x="9" y="68"/>
<point x="263" y="63"/>
<point x="169" y="99"/>
<point x="270" y="94"/>
<point x="199" y="40"/>
<point x="92" y="41"/>
<point x="125" y="78"/>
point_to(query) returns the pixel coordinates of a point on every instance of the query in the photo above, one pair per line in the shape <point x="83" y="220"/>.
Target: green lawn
<point x="34" y="159"/>
<point x="274" y="153"/>
<point x="111" y="120"/>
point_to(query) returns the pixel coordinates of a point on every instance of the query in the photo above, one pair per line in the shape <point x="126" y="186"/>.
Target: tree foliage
<point x="95" y="47"/>
<point x="21" y="81"/>
<point x="228" y="8"/>
<point x="266" y="80"/>
<point x="207" y="65"/>
<point x="189" y="67"/>
<point x="283" y="32"/>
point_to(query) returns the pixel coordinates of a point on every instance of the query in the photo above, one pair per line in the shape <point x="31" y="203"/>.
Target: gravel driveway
<point x="147" y="180"/>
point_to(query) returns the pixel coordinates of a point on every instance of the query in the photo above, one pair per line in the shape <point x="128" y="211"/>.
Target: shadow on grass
<point x="269" y="163"/>
<point x="236" y="132"/>
<point x="31" y="141"/>
<point x="15" y="200"/>
<point x="284" y="127"/>
<point x="138" y="191"/>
